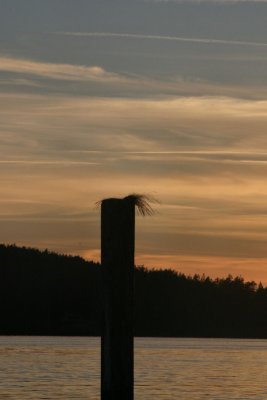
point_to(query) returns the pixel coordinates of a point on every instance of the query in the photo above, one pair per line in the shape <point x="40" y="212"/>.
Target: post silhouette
<point x="117" y="259"/>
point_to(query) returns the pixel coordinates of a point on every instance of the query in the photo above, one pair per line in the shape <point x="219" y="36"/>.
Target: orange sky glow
<point x="114" y="104"/>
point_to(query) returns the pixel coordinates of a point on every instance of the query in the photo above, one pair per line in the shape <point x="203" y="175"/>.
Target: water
<point x="196" y="369"/>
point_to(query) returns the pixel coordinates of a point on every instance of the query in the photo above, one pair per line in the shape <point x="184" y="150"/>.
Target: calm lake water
<point x="69" y="368"/>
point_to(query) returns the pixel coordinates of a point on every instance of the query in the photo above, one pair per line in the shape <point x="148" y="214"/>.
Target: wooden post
<point x="117" y="259"/>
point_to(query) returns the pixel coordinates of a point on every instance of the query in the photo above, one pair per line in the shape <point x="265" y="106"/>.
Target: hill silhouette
<point x="44" y="293"/>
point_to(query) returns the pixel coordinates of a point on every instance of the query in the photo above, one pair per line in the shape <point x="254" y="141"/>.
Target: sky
<point x="160" y="97"/>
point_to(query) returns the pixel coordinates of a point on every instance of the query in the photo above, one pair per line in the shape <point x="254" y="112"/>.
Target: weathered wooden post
<point x="117" y="259"/>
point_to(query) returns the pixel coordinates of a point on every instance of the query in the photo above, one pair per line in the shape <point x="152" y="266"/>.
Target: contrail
<point x="162" y="37"/>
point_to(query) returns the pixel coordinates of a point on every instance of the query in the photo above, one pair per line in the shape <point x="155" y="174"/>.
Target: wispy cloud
<point x="196" y="152"/>
<point x="28" y="73"/>
<point x="57" y="71"/>
<point x="163" y="37"/>
<point x="18" y="82"/>
<point x="133" y="125"/>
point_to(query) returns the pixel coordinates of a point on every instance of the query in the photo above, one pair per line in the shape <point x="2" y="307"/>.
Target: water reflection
<point x="69" y="368"/>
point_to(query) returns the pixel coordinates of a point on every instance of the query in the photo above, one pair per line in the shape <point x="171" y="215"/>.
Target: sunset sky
<point x="167" y="98"/>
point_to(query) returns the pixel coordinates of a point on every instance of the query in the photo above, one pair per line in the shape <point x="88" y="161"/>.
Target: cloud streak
<point x="183" y="124"/>
<point x="57" y="71"/>
<point x="162" y="38"/>
<point x="28" y="74"/>
<point x="189" y="152"/>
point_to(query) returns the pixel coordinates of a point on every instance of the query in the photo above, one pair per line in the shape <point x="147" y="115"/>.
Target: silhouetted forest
<point x="45" y="293"/>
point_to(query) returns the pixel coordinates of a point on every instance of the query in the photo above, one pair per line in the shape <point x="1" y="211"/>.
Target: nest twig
<point x="141" y="201"/>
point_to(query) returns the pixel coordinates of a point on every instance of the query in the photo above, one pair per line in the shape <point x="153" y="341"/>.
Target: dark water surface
<point x="186" y="369"/>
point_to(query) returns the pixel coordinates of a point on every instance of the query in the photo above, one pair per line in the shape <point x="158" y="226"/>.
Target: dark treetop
<point x="45" y="293"/>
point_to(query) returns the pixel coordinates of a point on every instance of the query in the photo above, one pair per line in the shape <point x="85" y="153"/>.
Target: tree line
<point x="44" y="293"/>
